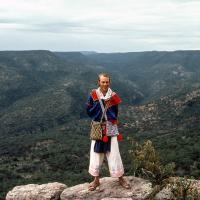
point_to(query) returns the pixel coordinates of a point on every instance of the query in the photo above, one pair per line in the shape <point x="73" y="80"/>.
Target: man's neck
<point x="104" y="92"/>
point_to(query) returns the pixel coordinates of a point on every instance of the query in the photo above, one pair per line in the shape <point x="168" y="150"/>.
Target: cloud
<point x="124" y="25"/>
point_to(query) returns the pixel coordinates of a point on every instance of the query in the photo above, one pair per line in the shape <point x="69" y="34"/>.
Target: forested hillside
<point x="44" y="129"/>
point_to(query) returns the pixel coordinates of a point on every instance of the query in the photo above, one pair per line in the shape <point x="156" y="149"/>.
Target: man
<point x="108" y="147"/>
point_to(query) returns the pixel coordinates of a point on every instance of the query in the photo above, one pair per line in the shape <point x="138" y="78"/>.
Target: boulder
<point x="109" y="189"/>
<point x="49" y="191"/>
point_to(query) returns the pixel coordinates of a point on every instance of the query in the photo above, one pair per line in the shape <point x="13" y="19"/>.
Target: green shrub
<point x="147" y="164"/>
<point x="183" y="189"/>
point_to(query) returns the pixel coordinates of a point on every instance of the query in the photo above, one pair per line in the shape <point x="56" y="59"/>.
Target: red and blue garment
<point x="94" y="111"/>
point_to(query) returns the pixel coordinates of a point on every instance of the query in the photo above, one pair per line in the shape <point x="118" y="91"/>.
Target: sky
<point x="100" y="25"/>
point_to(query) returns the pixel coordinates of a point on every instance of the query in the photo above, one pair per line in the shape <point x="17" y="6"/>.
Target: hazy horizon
<point x="99" y="51"/>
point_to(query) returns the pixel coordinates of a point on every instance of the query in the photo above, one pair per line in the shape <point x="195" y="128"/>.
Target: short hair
<point x="103" y="74"/>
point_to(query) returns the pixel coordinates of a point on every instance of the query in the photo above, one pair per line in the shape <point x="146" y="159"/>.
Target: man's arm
<point x="91" y="107"/>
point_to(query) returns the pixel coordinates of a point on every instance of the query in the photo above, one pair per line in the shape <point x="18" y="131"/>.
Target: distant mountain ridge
<point x="138" y="77"/>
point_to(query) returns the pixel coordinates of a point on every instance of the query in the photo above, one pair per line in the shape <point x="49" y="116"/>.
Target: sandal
<point x="124" y="184"/>
<point x="93" y="185"/>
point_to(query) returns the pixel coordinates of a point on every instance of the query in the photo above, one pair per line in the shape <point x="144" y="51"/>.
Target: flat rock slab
<point x="110" y="189"/>
<point x="49" y="191"/>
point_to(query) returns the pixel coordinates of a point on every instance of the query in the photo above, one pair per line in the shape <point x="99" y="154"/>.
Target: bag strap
<point x="104" y="109"/>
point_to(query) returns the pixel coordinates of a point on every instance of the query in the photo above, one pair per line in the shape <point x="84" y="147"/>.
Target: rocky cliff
<point x="108" y="190"/>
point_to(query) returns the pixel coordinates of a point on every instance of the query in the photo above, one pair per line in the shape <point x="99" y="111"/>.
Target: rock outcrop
<point x="109" y="189"/>
<point x="49" y="191"/>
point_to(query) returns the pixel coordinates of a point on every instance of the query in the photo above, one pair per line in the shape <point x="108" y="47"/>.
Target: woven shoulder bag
<point x="96" y="128"/>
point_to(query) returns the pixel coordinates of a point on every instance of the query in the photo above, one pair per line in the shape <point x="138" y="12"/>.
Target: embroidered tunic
<point x="94" y="108"/>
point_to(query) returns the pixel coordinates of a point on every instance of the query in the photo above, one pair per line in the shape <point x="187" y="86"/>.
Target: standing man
<point x="108" y="146"/>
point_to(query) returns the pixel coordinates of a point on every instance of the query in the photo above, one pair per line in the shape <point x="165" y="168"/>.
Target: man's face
<point x="104" y="83"/>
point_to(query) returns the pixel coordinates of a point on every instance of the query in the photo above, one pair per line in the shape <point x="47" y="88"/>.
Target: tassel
<point x="105" y="138"/>
<point x="120" y="137"/>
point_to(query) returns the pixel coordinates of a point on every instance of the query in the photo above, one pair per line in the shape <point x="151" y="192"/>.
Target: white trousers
<point x="113" y="157"/>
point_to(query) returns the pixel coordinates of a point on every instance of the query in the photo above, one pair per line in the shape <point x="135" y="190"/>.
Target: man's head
<point x="104" y="81"/>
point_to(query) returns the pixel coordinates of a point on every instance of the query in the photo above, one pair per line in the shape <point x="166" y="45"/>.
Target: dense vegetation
<point x="44" y="127"/>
